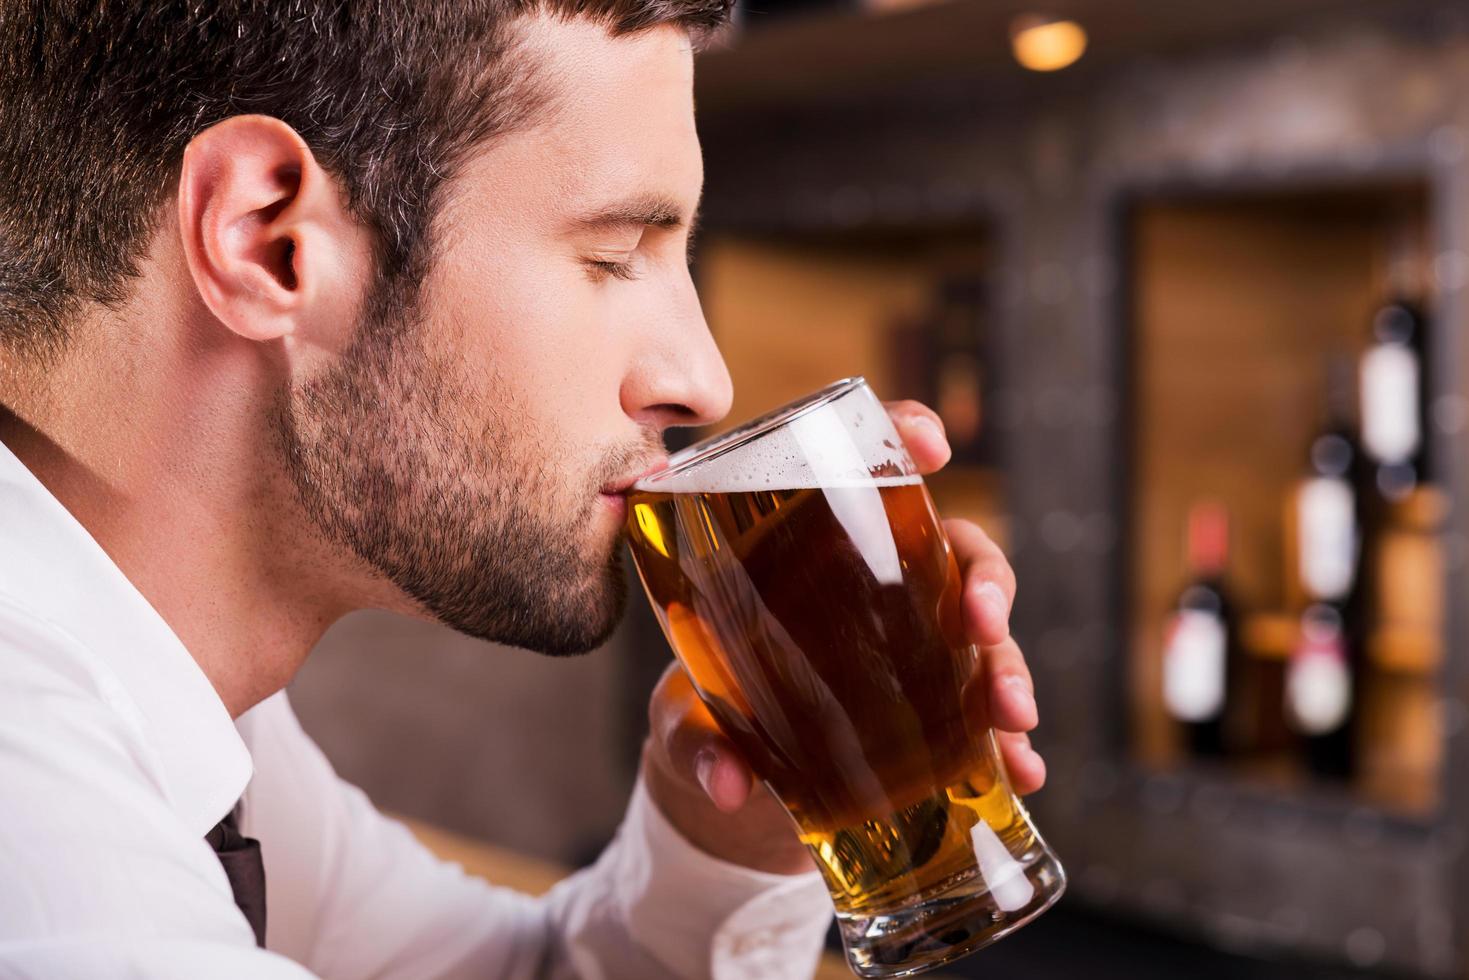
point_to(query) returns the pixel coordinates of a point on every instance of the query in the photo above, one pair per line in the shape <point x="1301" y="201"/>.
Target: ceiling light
<point x="1044" y="43"/>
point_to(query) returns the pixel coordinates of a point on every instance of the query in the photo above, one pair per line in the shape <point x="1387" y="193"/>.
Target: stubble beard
<point x="482" y="528"/>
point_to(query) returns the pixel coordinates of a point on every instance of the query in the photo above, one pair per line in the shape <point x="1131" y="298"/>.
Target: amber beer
<point x="821" y="625"/>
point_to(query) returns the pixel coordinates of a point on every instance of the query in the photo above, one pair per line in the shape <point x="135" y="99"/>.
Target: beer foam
<point x="846" y="441"/>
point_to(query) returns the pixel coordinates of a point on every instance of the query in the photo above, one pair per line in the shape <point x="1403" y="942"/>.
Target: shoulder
<point x="50" y="682"/>
<point x="88" y="840"/>
<point x="39" y="650"/>
<point x="66" y="726"/>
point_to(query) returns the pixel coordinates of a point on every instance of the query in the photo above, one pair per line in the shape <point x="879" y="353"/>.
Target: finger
<point x="1011" y="690"/>
<point x="689" y="744"/>
<point x="1027" y="770"/>
<point x="923" y="433"/>
<point x="989" y="582"/>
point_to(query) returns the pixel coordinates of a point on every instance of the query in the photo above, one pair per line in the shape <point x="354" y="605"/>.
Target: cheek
<point x="538" y="345"/>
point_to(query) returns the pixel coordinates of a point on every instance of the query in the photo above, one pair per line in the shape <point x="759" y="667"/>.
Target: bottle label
<point x="1194" y="665"/>
<point x="1318" y="686"/>
<point x="1326" y="515"/>
<point x="1390" y="430"/>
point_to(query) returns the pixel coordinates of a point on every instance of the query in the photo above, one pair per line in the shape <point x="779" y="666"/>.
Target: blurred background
<point x="1187" y="281"/>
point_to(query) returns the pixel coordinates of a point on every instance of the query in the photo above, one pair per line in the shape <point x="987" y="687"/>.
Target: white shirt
<point x="117" y="756"/>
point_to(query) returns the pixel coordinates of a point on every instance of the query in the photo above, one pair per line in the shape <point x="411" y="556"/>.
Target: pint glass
<point x="802" y="576"/>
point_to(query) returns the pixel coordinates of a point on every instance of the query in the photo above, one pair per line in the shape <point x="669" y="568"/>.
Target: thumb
<point x="686" y="745"/>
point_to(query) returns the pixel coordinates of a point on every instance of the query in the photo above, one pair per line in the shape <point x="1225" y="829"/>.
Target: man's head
<point x="439" y="248"/>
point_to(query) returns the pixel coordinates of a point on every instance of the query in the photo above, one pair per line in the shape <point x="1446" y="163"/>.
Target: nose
<point x="678" y="377"/>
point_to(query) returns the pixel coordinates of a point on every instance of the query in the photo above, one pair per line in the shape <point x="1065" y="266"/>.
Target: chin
<point x="558" y="622"/>
<point x="596" y="616"/>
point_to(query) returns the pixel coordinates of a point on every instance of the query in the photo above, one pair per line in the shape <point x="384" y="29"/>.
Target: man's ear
<point x="267" y="236"/>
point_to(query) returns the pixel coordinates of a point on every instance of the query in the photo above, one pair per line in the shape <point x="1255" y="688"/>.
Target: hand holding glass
<point x="802" y="576"/>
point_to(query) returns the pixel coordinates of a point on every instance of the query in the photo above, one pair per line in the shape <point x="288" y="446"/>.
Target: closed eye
<point x="599" y="270"/>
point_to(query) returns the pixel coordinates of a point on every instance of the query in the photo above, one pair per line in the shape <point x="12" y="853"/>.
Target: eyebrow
<point x="654" y="211"/>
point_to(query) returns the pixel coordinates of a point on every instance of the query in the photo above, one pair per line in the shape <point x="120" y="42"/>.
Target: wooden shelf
<point x="1400" y="649"/>
<point x="1269" y="636"/>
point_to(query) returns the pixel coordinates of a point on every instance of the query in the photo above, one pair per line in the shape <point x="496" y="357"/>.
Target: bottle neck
<point x="1397" y="321"/>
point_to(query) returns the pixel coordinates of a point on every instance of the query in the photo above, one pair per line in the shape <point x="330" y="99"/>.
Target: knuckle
<point x="1006" y="658"/>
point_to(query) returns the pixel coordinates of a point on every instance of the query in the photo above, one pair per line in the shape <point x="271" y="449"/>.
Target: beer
<point x="801" y="574"/>
<point x="822" y="628"/>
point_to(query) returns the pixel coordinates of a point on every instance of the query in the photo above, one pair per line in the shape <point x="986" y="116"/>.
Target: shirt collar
<point x="54" y="568"/>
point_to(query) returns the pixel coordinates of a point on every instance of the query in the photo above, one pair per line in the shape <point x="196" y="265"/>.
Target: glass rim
<point x="746" y="432"/>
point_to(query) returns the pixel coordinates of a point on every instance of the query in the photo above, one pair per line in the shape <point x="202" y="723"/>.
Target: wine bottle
<point x="1393" y="427"/>
<point x="1320" y="690"/>
<point x="1200" y="646"/>
<point x="1328" y="504"/>
<point x="1322" y="673"/>
<point x="1394" y="404"/>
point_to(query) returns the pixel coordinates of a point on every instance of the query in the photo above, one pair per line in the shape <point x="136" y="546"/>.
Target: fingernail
<point x="928" y="424"/>
<point x="994" y="597"/>
<point x="704" y="764"/>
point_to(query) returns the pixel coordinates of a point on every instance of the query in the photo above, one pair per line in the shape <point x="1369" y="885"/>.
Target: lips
<point x="624" y="484"/>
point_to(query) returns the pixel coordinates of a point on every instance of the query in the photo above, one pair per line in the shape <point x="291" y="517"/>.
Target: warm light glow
<point x="1042" y="44"/>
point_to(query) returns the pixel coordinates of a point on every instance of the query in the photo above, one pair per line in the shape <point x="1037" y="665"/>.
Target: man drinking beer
<point x="310" y="307"/>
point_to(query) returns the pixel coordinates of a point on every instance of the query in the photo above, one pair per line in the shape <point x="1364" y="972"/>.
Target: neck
<point x="174" y="480"/>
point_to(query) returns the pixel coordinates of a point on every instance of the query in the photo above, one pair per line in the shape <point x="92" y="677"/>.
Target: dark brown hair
<point x="99" y="98"/>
